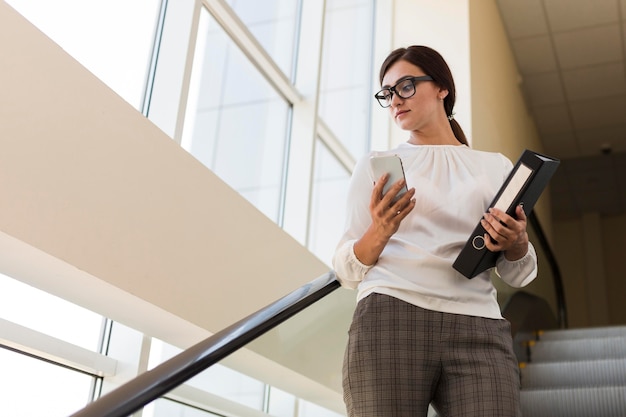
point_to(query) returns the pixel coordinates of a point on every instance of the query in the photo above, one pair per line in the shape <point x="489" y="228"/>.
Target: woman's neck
<point x="434" y="137"/>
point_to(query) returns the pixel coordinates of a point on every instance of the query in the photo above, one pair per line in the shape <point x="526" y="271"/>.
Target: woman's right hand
<point x="386" y="215"/>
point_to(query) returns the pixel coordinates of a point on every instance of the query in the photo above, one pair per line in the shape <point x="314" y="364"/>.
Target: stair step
<point x="613" y="347"/>
<point x="596" y="373"/>
<point x="583" y="333"/>
<point x="575" y="402"/>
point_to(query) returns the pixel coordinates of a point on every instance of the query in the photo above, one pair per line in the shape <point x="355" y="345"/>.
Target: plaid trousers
<point x="400" y="358"/>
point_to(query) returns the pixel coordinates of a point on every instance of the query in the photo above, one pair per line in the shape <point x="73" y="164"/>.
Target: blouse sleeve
<point x="518" y="273"/>
<point x="349" y="270"/>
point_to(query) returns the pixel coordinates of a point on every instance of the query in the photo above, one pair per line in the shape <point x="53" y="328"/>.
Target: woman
<point x="422" y="333"/>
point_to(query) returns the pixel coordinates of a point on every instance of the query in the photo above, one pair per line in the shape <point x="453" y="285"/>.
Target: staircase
<point x="575" y="373"/>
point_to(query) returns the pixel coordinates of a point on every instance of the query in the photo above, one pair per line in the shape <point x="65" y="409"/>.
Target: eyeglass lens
<point x="404" y="89"/>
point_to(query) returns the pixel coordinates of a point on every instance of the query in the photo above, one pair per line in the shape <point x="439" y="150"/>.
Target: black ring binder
<point x="527" y="180"/>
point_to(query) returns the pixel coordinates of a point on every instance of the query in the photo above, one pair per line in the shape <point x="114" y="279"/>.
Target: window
<point x="281" y="403"/>
<point x="32" y="387"/>
<point x="236" y="122"/>
<point x="84" y="28"/>
<point x="217" y="380"/>
<point x="53" y="315"/>
<point x="168" y="408"/>
<point x="327" y="220"/>
<point x="231" y="385"/>
<point x="59" y="390"/>
<point x="274" y="24"/>
<point x="308" y="409"/>
<point x="345" y="96"/>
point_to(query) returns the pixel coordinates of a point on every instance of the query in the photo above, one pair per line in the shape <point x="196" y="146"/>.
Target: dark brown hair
<point x="433" y="64"/>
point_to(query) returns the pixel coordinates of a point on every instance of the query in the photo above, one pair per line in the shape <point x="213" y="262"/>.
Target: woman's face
<point x="416" y="112"/>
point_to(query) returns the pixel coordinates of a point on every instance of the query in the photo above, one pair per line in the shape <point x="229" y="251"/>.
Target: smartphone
<point x="391" y="164"/>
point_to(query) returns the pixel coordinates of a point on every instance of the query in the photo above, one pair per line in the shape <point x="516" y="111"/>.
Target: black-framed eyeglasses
<point x="404" y="89"/>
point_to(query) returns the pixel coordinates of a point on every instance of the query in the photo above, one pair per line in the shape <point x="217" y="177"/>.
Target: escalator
<point x="575" y="373"/>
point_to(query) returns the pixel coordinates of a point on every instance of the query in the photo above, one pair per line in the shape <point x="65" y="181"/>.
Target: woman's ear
<point x="443" y="93"/>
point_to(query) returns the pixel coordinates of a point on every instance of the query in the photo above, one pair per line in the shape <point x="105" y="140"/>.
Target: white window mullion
<point x="248" y="44"/>
<point x="31" y="342"/>
<point x="304" y="121"/>
<point x="169" y="95"/>
<point x="334" y="145"/>
<point x="383" y="43"/>
<point x="186" y="81"/>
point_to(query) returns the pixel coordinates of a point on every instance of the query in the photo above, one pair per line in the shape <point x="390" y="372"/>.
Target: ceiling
<point x="571" y="56"/>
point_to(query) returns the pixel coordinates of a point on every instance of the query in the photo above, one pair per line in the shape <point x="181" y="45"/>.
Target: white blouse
<point x="454" y="187"/>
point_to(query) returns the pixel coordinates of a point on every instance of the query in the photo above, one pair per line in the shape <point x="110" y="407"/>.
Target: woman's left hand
<point x="506" y="234"/>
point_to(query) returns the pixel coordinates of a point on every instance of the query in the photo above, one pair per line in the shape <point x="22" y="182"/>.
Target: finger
<point x="404" y="200"/>
<point x="500" y="216"/>
<point x="407" y="198"/>
<point x="491" y="244"/>
<point x="521" y="214"/>
<point x="377" y="192"/>
<point x="496" y="229"/>
<point x="493" y="222"/>
<point x="393" y="192"/>
<point x="400" y="212"/>
<point x="506" y="225"/>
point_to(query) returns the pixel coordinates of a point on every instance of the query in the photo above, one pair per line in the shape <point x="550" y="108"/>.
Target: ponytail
<point x="458" y="132"/>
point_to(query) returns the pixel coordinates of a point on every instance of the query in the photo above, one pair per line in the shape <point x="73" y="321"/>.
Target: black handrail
<point x="152" y="384"/>
<point x="554" y="266"/>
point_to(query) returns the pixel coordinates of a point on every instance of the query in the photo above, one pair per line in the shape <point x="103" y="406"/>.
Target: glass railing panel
<point x="218" y="380"/>
<point x="176" y="371"/>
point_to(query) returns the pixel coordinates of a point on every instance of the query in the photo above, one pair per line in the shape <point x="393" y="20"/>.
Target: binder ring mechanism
<point x="478" y="242"/>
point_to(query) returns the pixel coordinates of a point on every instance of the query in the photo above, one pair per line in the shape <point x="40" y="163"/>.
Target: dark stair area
<point x="575" y="373"/>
